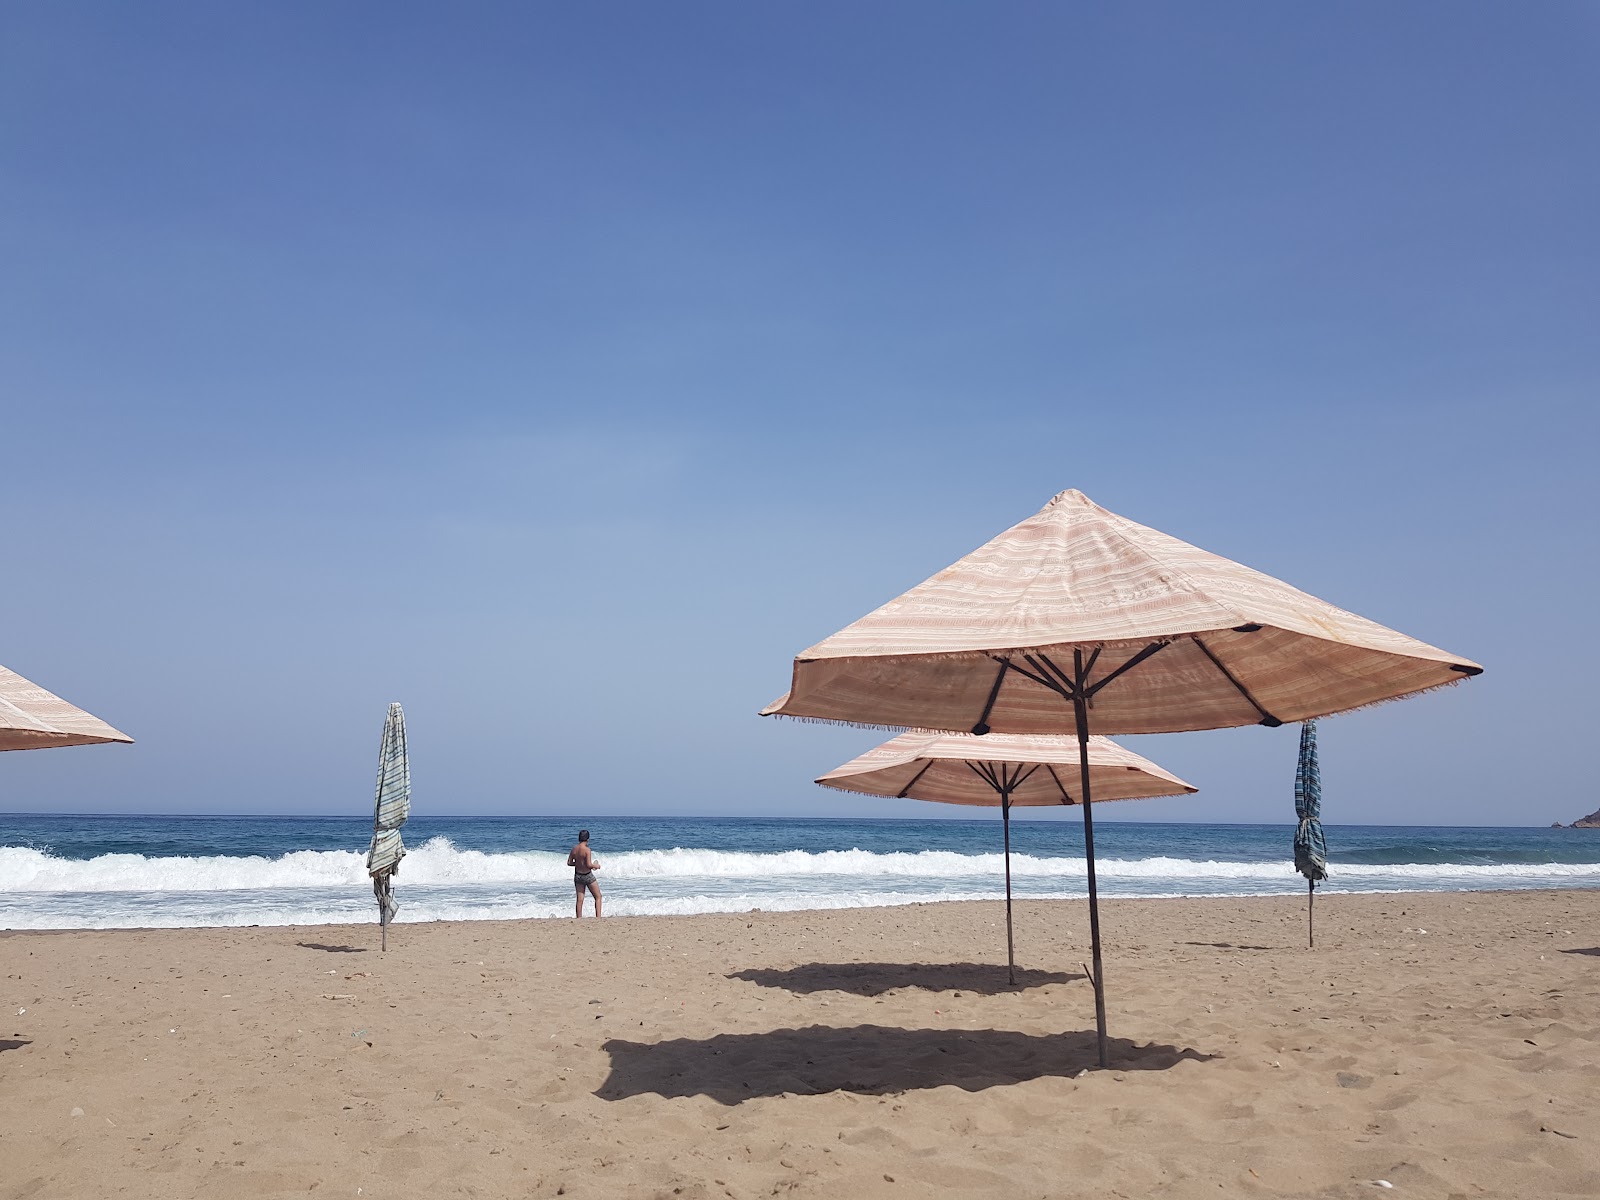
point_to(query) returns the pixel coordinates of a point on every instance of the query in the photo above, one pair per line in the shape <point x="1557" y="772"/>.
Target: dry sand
<point x="843" y="1054"/>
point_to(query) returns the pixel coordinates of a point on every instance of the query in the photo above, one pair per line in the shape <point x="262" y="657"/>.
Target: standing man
<point x="584" y="864"/>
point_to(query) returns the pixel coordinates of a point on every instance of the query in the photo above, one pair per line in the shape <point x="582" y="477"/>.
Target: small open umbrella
<point x="1078" y="617"/>
<point x="393" y="807"/>
<point x="1310" y="850"/>
<point x="1003" y="769"/>
<point x="34" y="719"/>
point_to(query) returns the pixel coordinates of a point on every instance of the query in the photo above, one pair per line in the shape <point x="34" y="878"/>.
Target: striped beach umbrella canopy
<point x="392" y="808"/>
<point x="1001" y="770"/>
<point x="34" y="719"/>
<point x="1080" y="621"/>
<point x="1310" y="849"/>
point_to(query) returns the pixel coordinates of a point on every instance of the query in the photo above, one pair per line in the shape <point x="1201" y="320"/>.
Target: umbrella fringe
<point x="839" y="787"/>
<point x="856" y="724"/>
<point x="1432" y="687"/>
<point x="804" y="720"/>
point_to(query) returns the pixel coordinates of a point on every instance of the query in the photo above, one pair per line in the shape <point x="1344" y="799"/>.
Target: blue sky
<point x="561" y="371"/>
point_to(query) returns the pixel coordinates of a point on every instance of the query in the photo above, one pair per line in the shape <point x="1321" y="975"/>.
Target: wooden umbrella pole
<point x="379" y="887"/>
<point x="1080" y="709"/>
<point x="1011" y="947"/>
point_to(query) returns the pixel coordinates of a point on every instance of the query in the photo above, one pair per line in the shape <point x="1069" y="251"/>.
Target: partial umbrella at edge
<point x="1004" y="770"/>
<point x="1078" y="617"/>
<point x="390" y="812"/>
<point x="34" y="719"/>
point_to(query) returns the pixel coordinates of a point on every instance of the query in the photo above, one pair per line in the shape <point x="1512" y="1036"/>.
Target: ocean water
<point x="113" y="871"/>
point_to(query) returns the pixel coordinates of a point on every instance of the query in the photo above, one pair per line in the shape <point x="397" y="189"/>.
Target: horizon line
<point x="580" y="819"/>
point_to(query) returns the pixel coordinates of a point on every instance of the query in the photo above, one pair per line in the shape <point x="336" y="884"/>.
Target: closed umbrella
<point x="392" y="809"/>
<point x="1004" y="770"/>
<point x="1078" y="617"/>
<point x="1310" y="850"/>
<point x="34" y="719"/>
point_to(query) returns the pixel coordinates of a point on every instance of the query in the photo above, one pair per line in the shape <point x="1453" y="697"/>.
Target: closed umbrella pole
<point x="392" y="807"/>
<point x="1310" y="847"/>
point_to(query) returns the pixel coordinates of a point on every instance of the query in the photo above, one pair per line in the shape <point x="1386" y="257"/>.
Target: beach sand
<point x="1444" y="1043"/>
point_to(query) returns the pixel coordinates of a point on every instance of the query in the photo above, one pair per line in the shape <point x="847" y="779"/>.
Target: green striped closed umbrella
<point x="1310" y="849"/>
<point x="393" y="807"/>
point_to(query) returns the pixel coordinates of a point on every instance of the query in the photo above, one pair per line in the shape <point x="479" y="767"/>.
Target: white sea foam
<point x="147" y="912"/>
<point x="438" y="863"/>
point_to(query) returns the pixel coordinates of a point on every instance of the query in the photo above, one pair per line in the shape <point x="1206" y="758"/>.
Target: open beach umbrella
<point x="34" y="719"/>
<point x="392" y="809"/>
<point x="1000" y="769"/>
<point x="1310" y="850"/>
<point x="1078" y="618"/>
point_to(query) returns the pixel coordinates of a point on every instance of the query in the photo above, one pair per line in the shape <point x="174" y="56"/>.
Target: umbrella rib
<point x="1127" y="666"/>
<point x="1042" y="679"/>
<point x="901" y="794"/>
<point x="1022" y="779"/>
<point x="1065" y="798"/>
<point x="982" y="726"/>
<point x="1067" y="687"/>
<point x="981" y="770"/>
<point x="1267" y="718"/>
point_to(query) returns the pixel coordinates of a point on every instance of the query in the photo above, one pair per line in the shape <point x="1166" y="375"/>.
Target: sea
<point x="105" y="872"/>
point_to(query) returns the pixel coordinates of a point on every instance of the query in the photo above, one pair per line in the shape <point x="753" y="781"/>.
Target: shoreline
<point x="1323" y="896"/>
<point x="1441" y="1041"/>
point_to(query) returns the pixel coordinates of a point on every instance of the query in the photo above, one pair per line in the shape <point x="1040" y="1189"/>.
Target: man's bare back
<point x="584" y="864"/>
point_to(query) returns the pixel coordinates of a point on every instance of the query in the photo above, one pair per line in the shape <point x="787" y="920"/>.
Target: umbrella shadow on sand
<point x="1594" y="950"/>
<point x="876" y="979"/>
<point x="869" y="1060"/>
<point x="14" y="1043"/>
<point x="326" y="949"/>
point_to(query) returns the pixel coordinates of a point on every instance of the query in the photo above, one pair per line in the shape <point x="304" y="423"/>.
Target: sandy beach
<point x="1443" y="1043"/>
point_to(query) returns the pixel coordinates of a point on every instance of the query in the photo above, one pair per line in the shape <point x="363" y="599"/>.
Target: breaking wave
<point x="439" y="863"/>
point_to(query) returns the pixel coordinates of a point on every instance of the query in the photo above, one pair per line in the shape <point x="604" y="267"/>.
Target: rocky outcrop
<point x="1592" y="821"/>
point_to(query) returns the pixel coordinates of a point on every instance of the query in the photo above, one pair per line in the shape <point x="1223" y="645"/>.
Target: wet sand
<point x="1444" y="1043"/>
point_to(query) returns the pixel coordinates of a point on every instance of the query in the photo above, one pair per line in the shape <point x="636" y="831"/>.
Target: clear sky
<point x="561" y="370"/>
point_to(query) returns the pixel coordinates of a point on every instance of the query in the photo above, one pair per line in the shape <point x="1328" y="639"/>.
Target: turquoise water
<point x="108" y="871"/>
